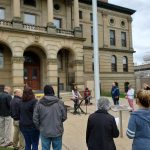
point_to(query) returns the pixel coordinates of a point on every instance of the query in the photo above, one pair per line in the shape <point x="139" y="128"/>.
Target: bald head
<point x="18" y="92"/>
<point x="7" y="89"/>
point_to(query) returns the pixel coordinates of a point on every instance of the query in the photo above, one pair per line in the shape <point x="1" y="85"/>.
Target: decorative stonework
<point x="78" y="62"/>
<point x="19" y="60"/>
<point x="52" y="61"/>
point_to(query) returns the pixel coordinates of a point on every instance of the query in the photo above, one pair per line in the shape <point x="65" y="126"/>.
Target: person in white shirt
<point x="130" y="96"/>
<point x="75" y="97"/>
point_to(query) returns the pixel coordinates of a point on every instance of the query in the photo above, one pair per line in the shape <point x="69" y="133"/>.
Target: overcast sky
<point x="140" y="26"/>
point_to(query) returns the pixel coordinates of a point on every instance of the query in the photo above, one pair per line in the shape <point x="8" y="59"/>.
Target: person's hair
<point x="48" y="90"/>
<point x="75" y="88"/>
<point x="129" y="86"/>
<point x="116" y="83"/>
<point x="17" y="90"/>
<point x="103" y="103"/>
<point x="28" y="94"/>
<point x="143" y="97"/>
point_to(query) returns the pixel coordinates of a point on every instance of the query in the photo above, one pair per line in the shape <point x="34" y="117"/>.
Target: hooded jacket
<point x="49" y="115"/>
<point x="139" y="129"/>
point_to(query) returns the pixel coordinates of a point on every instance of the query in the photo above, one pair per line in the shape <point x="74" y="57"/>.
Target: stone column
<point x="17" y="23"/>
<point x="17" y="72"/>
<point x="77" y="29"/>
<point x="105" y="30"/>
<point x="50" y="21"/>
<point x="130" y="33"/>
<point x="76" y="13"/>
<point x="79" y="79"/>
<point x="52" y="73"/>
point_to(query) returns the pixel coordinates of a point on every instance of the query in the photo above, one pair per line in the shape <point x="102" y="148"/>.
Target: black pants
<point x="116" y="101"/>
<point x="76" y="103"/>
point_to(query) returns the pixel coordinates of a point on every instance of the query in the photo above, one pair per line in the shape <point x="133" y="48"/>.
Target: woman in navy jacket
<point x="101" y="128"/>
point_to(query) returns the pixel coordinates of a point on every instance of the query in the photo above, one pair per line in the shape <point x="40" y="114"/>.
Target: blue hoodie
<point x="139" y="129"/>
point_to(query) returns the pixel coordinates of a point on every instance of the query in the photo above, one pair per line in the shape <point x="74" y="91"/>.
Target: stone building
<point x="41" y="40"/>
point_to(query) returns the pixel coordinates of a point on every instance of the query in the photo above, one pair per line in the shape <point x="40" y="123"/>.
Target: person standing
<point x="87" y="96"/>
<point x="139" y="122"/>
<point x="14" y="110"/>
<point x="27" y="127"/>
<point x="49" y="115"/>
<point x="130" y="96"/>
<point x="5" y="119"/>
<point x="75" y="97"/>
<point x="115" y="93"/>
<point x="101" y="128"/>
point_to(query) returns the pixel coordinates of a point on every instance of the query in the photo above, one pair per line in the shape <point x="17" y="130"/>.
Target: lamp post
<point x="96" y="51"/>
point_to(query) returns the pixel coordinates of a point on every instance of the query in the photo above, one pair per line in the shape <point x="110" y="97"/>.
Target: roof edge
<point x="110" y="7"/>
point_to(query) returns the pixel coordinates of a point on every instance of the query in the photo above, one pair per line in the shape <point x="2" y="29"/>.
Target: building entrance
<point x="32" y="70"/>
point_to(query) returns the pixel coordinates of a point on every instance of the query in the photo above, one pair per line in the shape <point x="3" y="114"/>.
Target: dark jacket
<point x="26" y="113"/>
<point x="101" y="129"/>
<point x="115" y="92"/>
<point x="5" y="99"/>
<point x="139" y="129"/>
<point x="49" y="115"/>
<point x="14" y="107"/>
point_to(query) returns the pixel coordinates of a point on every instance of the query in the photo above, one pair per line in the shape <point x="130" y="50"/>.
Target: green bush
<point x="108" y="94"/>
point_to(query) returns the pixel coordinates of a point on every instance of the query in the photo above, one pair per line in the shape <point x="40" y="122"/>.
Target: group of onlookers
<point x="31" y="119"/>
<point x="44" y="118"/>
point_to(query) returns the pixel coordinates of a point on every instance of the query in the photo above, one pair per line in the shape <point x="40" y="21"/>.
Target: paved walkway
<point x="75" y="129"/>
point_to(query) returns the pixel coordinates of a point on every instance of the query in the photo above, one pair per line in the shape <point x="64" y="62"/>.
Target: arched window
<point x="1" y="58"/>
<point x="125" y="64"/>
<point x="113" y="64"/>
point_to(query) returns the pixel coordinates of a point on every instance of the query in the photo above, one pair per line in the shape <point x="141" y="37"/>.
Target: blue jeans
<point x="31" y="136"/>
<point x="56" y="143"/>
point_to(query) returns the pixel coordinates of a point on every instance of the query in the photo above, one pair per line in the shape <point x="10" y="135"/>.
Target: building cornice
<point x="110" y="7"/>
<point x="110" y="49"/>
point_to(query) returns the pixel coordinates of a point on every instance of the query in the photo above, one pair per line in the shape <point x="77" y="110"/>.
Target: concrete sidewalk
<point x="75" y="129"/>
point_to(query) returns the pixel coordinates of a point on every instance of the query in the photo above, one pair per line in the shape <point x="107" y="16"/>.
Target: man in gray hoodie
<point x="49" y="115"/>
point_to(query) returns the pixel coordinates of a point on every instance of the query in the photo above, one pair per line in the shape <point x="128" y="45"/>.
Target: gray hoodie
<point x="49" y="115"/>
<point x="139" y="129"/>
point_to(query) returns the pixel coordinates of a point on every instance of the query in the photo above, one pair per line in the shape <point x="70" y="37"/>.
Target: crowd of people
<point x="31" y="119"/>
<point x="34" y="119"/>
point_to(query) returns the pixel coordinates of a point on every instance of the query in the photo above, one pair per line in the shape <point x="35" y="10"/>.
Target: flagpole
<point x="96" y="52"/>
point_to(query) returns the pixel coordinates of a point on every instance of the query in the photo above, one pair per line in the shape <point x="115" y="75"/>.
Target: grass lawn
<point x="2" y="148"/>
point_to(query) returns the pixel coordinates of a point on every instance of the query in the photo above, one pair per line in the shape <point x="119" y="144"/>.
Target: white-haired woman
<point x="101" y="128"/>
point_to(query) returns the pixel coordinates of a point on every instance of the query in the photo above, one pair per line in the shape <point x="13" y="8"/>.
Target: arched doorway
<point x="32" y="70"/>
<point x="66" y="73"/>
<point x="5" y="66"/>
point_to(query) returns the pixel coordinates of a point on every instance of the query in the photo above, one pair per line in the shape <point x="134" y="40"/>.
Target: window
<point x="57" y="22"/>
<point x="81" y="27"/>
<point x="30" y="2"/>
<point x="29" y="18"/>
<point x="123" y="39"/>
<point x="91" y="17"/>
<point x="80" y="14"/>
<point x="2" y="13"/>
<point x="60" y="60"/>
<point x="113" y="64"/>
<point x="91" y="34"/>
<point x="1" y="58"/>
<point x="112" y="38"/>
<point x="125" y="64"/>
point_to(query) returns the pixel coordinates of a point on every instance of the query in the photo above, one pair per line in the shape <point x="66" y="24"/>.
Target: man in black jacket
<point x="101" y="128"/>
<point x="5" y="119"/>
<point x="14" y="110"/>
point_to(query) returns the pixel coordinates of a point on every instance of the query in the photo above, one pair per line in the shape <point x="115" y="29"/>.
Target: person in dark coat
<point x="18" y="139"/>
<point x="27" y="127"/>
<point x="101" y="128"/>
<point x="115" y="93"/>
<point x="5" y="119"/>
